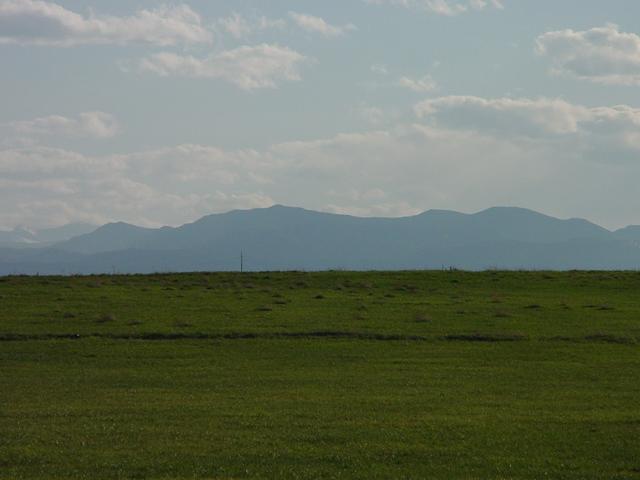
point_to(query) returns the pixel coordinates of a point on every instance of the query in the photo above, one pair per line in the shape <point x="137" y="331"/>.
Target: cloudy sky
<point x="158" y="113"/>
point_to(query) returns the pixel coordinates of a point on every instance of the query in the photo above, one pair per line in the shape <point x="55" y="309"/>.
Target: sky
<point x="158" y="113"/>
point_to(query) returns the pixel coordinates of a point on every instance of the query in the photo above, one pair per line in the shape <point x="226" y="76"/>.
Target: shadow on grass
<point x="322" y="334"/>
<point x="484" y="337"/>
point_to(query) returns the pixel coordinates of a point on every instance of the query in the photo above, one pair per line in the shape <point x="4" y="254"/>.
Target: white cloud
<point x="88" y="124"/>
<point x="37" y="22"/>
<point x="52" y="186"/>
<point x="315" y="24"/>
<point x="442" y="7"/>
<point x="415" y="167"/>
<point x="380" y="69"/>
<point x="606" y="134"/>
<point x="419" y="85"/>
<point x="97" y="125"/>
<point x="372" y="115"/>
<point x="509" y="115"/>
<point x="248" y="67"/>
<point x="397" y="171"/>
<point x="602" y="55"/>
<point x="391" y="209"/>
<point x="528" y="116"/>
<point x="469" y="153"/>
<point x="239" y="26"/>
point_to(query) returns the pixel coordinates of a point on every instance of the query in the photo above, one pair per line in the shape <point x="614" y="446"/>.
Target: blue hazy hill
<point x="282" y="238"/>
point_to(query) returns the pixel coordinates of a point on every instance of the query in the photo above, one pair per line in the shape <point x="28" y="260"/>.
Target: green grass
<point x="326" y="375"/>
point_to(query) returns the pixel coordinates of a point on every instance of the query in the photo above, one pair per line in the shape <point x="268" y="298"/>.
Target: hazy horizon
<point x="156" y="113"/>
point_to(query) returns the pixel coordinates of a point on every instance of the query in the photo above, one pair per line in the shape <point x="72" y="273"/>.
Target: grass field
<point x="408" y="375"/>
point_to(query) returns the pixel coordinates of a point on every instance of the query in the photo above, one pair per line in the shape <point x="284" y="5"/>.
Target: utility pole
<point x="241" y="261"/>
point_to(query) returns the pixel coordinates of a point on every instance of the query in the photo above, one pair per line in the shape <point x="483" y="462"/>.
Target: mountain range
<point x="287" y="238"/>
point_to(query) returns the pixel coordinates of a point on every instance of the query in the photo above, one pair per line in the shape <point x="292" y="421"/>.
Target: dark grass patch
<point x="106" y="318"/>
<point x="487" y="337"/>
<point x="594" y="338"/>
<point x="533" y="306"/>
<point x="407" y="288"/>
<point x="183" y="325"/>
<point x="608" y="338"/>
<point x="158" y="336"/>
<point x="602" y="308"/>
<point x="423" y="318"/>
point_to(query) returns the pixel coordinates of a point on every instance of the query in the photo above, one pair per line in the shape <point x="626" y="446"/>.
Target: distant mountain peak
<point x="506" y="210"/>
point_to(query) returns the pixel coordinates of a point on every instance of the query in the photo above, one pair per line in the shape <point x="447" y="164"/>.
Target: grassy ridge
<point x="574" y="304"/>
<point x="324" y="375"/>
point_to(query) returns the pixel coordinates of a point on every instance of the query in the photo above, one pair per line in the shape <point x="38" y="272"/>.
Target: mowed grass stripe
<point x="301" y="408"/>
